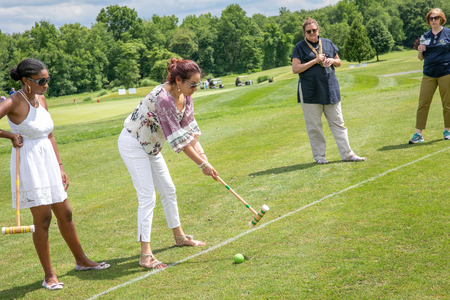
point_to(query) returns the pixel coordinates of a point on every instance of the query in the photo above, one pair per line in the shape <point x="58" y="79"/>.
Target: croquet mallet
<point x="18" y="228"/>
<point x="258" y="215"/>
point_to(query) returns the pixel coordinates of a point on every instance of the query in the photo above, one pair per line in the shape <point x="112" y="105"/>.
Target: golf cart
<point x="216" y="83"/>
<point x="243" y="80"/>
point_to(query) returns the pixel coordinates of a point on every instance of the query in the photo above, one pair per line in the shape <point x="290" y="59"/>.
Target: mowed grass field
<point x="372" y="230"/>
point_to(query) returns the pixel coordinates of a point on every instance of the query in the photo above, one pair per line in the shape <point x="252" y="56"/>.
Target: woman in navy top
<point x="314" y="59"/>
<point x="435" y="49"/>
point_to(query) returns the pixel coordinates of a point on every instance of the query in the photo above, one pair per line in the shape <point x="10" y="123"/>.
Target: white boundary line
<point x="154" y="271"/>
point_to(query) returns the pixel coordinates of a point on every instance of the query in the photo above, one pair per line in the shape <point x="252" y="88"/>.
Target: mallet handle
<point x="237" y="196"/>
<point x="17" y="186"/>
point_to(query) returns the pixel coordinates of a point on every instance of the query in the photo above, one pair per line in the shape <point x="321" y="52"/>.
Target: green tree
<point x="119" y="20"/>
<point x="168" y="26"/>
<point x="205" y="29"/>
<point x="235" y="32"/>
<point x="185" y="43"/>
<point x="380" y="38"/>
<point x="357" y="46"/>
<point x="260" y="20"/>
<point x="156" y="62"/>
<point x="348" y="11"/>
<point x="291" y="23"/>
<point x="42" y="35"/>
<point x="152" y="35"/>
<point x="127" y="68"/>
<point x="276" y="46"/>
<point x="412" y="13"/>
<point x="338" y="34"/>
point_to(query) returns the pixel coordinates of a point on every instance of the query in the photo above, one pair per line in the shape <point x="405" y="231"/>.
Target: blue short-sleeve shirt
<point x="318" y="86"/>
<point x="437" y="54"/>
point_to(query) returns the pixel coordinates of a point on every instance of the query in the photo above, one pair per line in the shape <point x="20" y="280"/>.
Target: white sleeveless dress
<point x="40" y="180"/>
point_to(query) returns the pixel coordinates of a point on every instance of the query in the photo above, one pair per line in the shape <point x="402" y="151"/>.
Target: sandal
<point x="180" y="241"/>
<point x="53" y="287"/>
<point x="101" y="266"/>
<point x="355" y="158"/>
<point x="149" y="261"/>
<point x="322" y="161"/>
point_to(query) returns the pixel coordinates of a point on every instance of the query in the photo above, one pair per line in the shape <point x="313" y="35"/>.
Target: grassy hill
<point x="372" y="230"/>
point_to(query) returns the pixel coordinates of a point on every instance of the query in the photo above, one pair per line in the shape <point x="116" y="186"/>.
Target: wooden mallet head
<point x="18" y="229"/>
<point x="258" y="216"/>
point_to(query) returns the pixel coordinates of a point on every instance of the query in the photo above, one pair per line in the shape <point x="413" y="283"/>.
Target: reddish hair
<point x="181" y="68"/>
<point x="438" y="12"/>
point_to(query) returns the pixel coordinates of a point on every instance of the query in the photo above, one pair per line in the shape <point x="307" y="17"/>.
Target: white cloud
<point x="18" y="18"/>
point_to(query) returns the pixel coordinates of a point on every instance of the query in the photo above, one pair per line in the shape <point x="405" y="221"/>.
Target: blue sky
<point x="18" y="16"/>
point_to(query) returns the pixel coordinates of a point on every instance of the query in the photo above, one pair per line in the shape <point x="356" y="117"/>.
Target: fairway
<point x="372" y="230"/>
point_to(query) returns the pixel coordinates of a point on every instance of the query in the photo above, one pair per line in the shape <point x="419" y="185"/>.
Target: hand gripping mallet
<point x="18" y="228"/>
<point x="258" y="215"/>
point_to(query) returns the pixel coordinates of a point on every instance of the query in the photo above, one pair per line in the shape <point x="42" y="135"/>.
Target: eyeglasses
<point x="434" y="18"/>
<point x="193" y="86"/>
<point x="312" y="30"/>
<point x="40" y="81"/>
<point x="435" y="39"/>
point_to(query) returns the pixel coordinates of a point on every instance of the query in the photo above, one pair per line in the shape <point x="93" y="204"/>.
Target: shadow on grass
<point x="284" y="169"/>
<point x="406" y="146"/>
<point x="21" y="291"/>
<point x="120" y="267"/>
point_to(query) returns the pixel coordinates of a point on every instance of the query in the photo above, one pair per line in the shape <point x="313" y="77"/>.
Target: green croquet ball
<point x="238" y="258"/>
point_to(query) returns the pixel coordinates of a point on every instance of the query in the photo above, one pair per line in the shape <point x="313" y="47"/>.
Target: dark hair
<point x="181" y="68"/>
<point x="26" y="68"/>
<point x="309" y="21"/>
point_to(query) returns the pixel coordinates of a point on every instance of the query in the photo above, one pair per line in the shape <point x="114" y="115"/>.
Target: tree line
<point x="122" y="50"/>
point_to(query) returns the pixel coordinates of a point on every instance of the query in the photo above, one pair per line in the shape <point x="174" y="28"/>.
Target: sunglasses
<point x="193" y="85"/>
<point x="40" y="81"/>
<point x="312" y="30"/>
<point x="434" y="18"/>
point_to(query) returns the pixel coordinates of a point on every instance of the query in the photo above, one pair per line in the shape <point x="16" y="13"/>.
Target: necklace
<point x="29" y="100"/>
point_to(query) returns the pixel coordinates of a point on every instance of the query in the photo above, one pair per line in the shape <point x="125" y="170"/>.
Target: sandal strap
<point x="180" y="241"/>
<point x="149" y="261"/>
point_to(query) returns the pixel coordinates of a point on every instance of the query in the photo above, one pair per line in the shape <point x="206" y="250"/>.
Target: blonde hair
<point x="438" y="12"/>
<point x="309" y="21"/>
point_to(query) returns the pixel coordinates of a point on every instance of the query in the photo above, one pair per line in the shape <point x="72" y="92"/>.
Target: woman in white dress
<point x="43" y="182"/>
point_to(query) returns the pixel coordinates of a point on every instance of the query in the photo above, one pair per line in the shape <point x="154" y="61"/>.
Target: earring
<point x="178" y="88"/>
<point x="28" y="88"/>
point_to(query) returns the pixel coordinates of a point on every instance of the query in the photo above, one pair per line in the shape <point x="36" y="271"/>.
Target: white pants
<point x="312" y="114"/>
<point x="148" y="172"/>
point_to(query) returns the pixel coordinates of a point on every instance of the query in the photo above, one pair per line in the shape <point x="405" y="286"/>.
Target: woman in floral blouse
<point x="166" y="113"/>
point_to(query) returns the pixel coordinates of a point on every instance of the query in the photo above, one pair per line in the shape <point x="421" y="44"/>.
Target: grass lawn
<point x="372" y="230"/>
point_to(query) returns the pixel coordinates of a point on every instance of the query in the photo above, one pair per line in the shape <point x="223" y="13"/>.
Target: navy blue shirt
<point x="318" y="87"/>
<point x="437" y="54"/>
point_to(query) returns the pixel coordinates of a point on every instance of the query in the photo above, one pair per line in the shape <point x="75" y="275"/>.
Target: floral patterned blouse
<point x="156" y="119"/>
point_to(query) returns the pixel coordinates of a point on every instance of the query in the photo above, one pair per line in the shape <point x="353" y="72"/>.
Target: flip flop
<point x="101" y="266"/>
<point x="53" y="287"/>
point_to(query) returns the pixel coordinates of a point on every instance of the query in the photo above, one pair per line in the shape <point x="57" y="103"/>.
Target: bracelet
<point x="60" y="164"/>
<point x="203" y="165"/>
